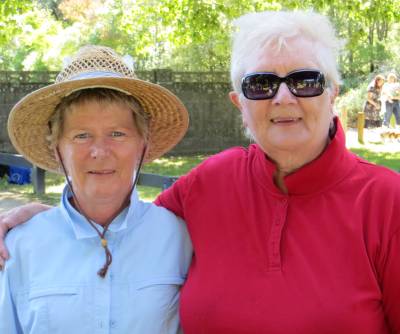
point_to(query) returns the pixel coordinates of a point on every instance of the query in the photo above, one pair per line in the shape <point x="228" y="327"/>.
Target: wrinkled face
<point x="100" y="148"/>
<point x="287" y="123"/>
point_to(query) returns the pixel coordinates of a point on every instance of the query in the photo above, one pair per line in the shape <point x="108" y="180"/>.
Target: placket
<point x="274" y="244"/>
<point x="102" y="293"/>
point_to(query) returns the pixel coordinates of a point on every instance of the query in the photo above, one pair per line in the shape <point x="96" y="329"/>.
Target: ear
<point x="334" y="93"/>
<point x="234" y="97"/>
<point x="55" y="151"/>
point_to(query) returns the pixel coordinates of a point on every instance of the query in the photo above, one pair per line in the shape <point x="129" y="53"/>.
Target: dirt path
<point x="10" y="200"/>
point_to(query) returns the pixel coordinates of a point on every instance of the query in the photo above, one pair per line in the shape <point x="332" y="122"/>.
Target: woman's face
<point x="380" y="82"/>
<point x="287" y="123"/>
<point x="100" y="148"/>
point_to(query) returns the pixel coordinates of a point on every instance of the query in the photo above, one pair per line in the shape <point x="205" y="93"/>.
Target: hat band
<point x="96" y="74"/>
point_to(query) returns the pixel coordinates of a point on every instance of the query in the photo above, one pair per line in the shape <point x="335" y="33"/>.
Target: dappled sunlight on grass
<point x="374" y="149"/>
<point x="148" y="194"/>
<point x="388" y="159"/>
<point x="174" y="165"/>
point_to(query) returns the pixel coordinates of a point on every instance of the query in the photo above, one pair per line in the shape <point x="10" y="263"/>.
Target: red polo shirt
<point x="323" y="259"/>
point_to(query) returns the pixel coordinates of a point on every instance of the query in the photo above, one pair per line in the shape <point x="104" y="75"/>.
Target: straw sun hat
<point x="92" y="67"/>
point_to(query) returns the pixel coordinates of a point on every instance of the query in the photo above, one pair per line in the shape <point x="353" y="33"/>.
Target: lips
<point x="285" y="120"/>
<point x="102" y="172"/>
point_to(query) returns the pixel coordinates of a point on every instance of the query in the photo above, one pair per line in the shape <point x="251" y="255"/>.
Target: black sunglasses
<point x="265" y="85"/>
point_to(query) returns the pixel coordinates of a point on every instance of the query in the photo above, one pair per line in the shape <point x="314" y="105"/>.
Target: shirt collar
<point x="329" y="168"/>
<point x="81" y="227"/>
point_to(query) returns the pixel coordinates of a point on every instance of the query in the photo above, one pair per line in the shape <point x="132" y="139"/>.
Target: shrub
<point x="353" y="101"/>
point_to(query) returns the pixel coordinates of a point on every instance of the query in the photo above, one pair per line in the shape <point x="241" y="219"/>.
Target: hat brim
<point x="28" y="119"/>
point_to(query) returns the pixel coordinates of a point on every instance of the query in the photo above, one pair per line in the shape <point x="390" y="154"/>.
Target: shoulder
<point x="226" y="160"/>
<point x="33" y="230"/>
<point x="229" y="155"/>
<point x="215" y="166"/>
<point x="162" y="219"/>
<point x="378" y="173"/>
<point x="378" y="182"/>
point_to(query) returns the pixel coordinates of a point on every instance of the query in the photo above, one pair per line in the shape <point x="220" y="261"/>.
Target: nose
<point x="99" y="149"/>
<point x="283" y="95"/>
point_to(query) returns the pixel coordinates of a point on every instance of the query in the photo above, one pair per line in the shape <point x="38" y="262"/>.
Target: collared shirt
<point x="50" y="284"/>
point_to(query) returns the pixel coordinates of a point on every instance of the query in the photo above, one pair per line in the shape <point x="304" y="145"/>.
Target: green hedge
<point x="353" y="101"/>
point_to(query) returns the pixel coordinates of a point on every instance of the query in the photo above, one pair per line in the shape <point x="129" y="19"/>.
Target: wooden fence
<point x="215" y="123"/>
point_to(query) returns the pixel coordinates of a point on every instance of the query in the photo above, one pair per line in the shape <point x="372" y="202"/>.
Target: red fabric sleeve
<point x="391" y="284"/>
<point x="174" y="197"/>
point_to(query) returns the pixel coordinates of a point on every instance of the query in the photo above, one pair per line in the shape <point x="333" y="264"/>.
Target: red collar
<point x="325" y="171"/>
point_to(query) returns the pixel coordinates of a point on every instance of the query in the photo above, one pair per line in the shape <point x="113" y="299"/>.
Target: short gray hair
<point x="102" y="95"/>
<point x="254" y="31"/>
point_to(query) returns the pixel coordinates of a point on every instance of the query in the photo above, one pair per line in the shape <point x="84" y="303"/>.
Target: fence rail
<point x="38" y="174"/>
<point x="215" y="124"/>
<point x="156" y="76"/>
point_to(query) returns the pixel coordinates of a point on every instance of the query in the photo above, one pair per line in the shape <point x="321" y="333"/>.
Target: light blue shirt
<point x="50" y="284"/>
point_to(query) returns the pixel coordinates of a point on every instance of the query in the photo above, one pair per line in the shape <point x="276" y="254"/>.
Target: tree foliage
<point x="181" y="34"/>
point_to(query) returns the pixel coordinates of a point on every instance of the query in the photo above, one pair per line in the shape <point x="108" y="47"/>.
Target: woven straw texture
<point x="28" y="120"/>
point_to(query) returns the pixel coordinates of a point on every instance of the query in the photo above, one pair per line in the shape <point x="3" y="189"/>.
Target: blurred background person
<point x="372" y="106"/>
<point x="390" y="97"/>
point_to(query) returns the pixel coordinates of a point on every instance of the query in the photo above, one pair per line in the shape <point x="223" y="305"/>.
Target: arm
<point x="172" y="199"/>
<point x="14" y="217"/>
<point x="175" y="196"/>
<point x="390" y="284"/>
<point x="8" y="316"/>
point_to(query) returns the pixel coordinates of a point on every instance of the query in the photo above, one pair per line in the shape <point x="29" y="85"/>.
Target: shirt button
<point x="112" y="323"/>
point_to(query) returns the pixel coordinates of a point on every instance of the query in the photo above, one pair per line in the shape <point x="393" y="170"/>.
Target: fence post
<point x="343" y="119"/>
<point x="38" y="176"/>
<point x="360" y="126"/>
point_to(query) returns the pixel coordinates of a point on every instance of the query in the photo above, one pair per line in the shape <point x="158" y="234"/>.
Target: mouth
<point x="285" y="120"/>
<point x="102" y="172"/>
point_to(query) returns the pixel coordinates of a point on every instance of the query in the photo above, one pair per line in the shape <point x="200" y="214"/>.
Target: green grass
<point x="171" y="166"/>
<point x="179" y="165"/>
<point x="388" y="159"/>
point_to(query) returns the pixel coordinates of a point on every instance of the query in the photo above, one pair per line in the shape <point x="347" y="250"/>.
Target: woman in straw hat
<point x="102" y="261"/>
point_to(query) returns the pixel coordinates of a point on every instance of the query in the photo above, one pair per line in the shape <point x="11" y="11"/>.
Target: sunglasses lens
<point x="263" y="86"/>
<point x="306" y="83"/>
<point x="260" y="86"/>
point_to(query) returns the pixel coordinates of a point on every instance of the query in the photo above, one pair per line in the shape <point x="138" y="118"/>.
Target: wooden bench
<point x="38" y="174"/>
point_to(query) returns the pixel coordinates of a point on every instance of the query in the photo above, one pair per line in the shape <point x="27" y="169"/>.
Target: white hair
<point x="274" y="29"/>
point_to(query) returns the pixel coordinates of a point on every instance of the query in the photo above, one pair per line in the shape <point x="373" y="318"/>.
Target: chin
<point x="104" y="192"/>
<point x="289" y="143"/>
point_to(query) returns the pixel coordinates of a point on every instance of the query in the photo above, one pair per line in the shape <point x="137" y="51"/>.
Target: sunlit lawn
<point x="171" y="166"/>
<point x="378" y="153"/>
<point x="388" y="159"/>
<point x="374" y="150"/>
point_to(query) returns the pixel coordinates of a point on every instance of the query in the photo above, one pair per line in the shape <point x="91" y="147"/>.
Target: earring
<point x="332" y="129"/>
